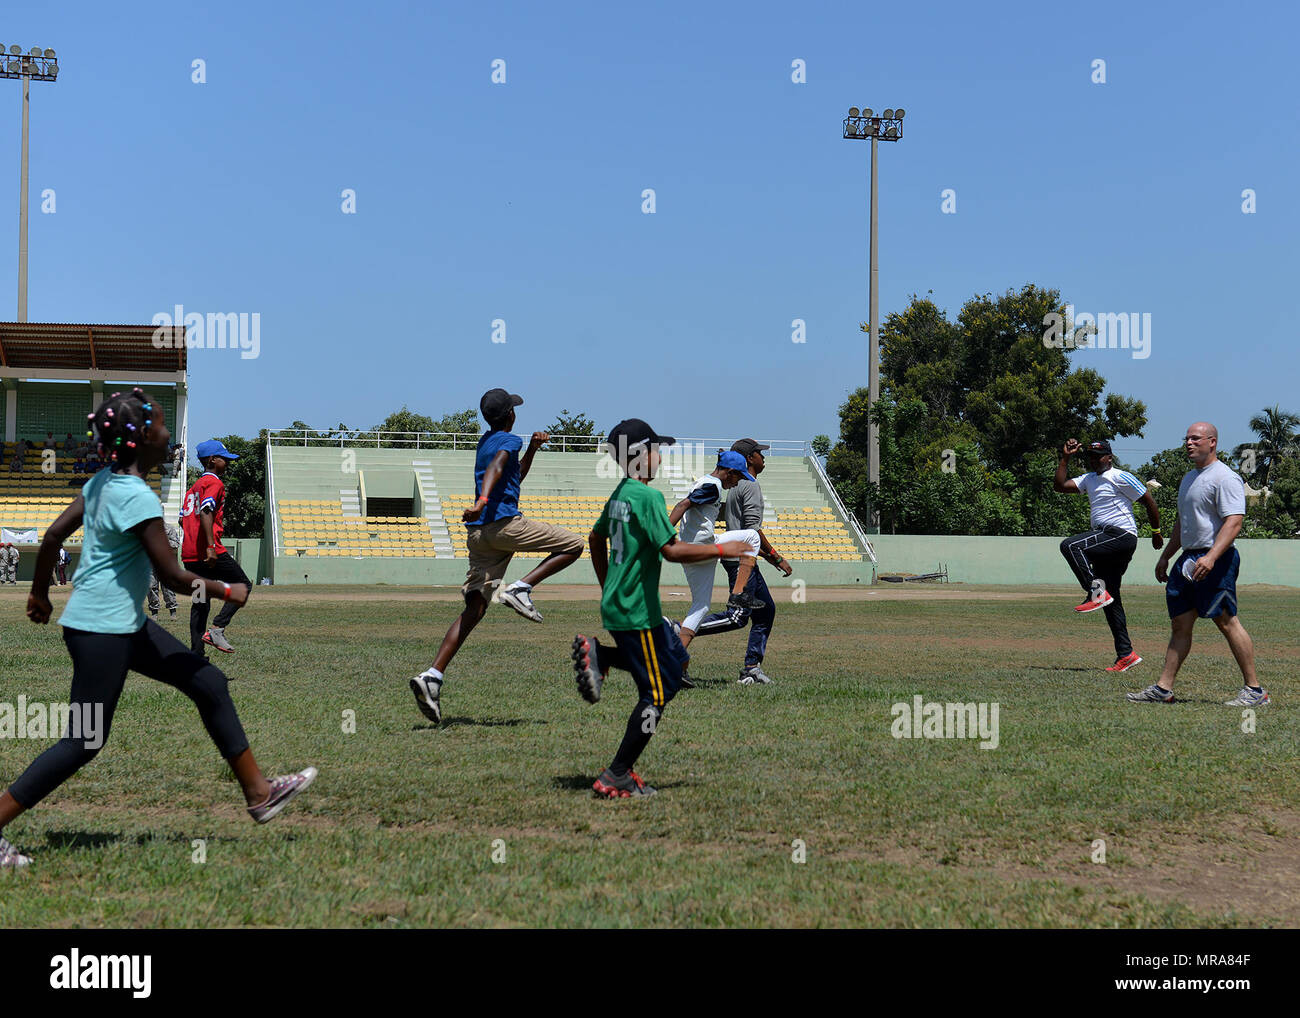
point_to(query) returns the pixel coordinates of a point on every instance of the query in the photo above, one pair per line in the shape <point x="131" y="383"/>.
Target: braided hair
<point x="122" y="422"/>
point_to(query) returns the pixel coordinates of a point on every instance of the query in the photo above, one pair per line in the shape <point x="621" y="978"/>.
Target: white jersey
<point x="697" y="522"/>
<point x="1111" y="495"/>
<point x="1206" y="496"/>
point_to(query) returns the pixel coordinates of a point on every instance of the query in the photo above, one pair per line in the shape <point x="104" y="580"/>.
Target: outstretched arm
<point x="1061" y="482"/>
<point x="162" y="556"/>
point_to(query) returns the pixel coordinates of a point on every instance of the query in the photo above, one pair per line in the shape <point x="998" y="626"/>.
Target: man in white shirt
<point x="1211" y="510"/>
<point x="1100" y="556"/>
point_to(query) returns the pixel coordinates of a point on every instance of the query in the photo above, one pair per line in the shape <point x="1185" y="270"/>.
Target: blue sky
<point x="522" y="201"/>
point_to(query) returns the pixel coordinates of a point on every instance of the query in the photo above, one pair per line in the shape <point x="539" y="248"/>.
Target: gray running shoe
<point x="426" y="689"/>
<point x="217" y="638"/>
<point x="520" y="602"/>
<point x="1250" y="696"/>
<point x="753" y="675"/>
<point x="1152" y="694"/>
<point x="629" y="786"/>
<point x="283" y="789"/>
<point x="10" y="857"/>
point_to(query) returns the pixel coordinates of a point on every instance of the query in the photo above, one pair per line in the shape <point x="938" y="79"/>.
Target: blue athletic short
<point x="1212" y="596"/>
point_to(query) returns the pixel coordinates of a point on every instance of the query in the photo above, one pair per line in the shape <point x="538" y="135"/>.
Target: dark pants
<point x="100" y="662"/>
<point x="760" y="621"/>
<point x="1104" y="555"/>
<point x="656" y="659"/>
<point x="224" y="568"/>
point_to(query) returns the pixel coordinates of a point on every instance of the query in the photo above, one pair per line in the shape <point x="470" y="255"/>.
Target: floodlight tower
<point x="860" y="125"/>
<point x="34" y="65"/>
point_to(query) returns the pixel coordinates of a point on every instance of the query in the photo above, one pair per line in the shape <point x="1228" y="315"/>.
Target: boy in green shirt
<point x="635" y="524"/>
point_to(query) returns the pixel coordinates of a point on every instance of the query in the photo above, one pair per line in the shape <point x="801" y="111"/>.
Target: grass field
<point x="1200" y="819"/>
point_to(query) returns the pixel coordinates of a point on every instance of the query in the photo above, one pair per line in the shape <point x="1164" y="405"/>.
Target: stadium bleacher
<point x="322" y="494"/>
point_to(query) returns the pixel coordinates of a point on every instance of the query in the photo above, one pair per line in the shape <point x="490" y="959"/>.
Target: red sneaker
<point x="1092" y="604"/>
<point x="1125" y="663"/>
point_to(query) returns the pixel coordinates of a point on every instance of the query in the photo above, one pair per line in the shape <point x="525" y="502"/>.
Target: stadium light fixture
<point x="37" y="65"/>
<point x="862" y="123"/>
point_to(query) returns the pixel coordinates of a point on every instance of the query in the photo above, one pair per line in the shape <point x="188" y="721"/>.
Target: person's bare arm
<point x="599" y="556"/>
<point x="162" y="556"/>
<point x="1175" y="543"/>
<point x="207" y="524"/>
<point x="1227" y="534"/>
<point x="38" y="599"/>
<point x="680" y="551"/>
<point x="491" y="476"/>
<point x="1153" y="517"/>
<point x="1061" y="482"/>
<point x="679" y="510"/>
<point x="539" y="439"/>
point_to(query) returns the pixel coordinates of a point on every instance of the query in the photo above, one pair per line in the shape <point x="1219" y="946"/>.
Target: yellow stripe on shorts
<point x="652" y="667"/>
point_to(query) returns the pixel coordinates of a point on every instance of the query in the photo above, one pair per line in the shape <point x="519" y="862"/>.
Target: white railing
<point x="275" y="509"/>
<point x="849" y="518"/>
<point x="468" y="440"/>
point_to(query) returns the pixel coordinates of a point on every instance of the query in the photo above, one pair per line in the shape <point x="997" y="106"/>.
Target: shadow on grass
<point x="583" y="782"/>
<point x="708" y="683"/>
<point x="99" y="839"/>
<point x="482" y="723"/>
<point x="1056" y="668"/>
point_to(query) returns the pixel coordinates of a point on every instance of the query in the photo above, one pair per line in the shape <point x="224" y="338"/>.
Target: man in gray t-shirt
<point x="1211" y="510"/>
<point x="744" y="511"/>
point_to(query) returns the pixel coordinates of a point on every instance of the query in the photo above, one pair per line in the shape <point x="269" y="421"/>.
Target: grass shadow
<point x="484" y="722"/>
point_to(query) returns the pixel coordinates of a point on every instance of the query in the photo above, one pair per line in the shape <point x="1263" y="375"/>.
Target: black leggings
<point x="100" y="662"/>
<point x="224" y="568"/>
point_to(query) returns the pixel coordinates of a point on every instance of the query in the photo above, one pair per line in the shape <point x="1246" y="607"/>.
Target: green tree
<point x="971" y="414"/>
<point x="821" y="445"/>
<point x="579" y="429"/>
<point x="1276" y="431"/>
<point x="464" y="422"/>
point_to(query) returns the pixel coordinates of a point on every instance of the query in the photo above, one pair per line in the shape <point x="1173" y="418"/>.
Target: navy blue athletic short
<point x="1212" y="596"/>
<point x="655" y="657"/>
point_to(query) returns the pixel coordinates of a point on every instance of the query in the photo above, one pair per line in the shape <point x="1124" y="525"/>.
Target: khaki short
<point x="492" y="545"/>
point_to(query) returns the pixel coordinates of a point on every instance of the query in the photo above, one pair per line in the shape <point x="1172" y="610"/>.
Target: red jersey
<point x="207" y="495"/>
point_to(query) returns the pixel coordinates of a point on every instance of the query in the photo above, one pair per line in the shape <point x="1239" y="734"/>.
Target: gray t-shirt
<point x="1205" y="497"/>
<point x="744" y="507"/>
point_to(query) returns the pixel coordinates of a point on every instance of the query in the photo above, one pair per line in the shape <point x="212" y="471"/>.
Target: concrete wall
<point x="1025" y="560"/>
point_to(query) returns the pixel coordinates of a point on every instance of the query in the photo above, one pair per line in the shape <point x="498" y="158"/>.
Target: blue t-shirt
<point x="112" y="578"/>
<point x="503" y="501"/>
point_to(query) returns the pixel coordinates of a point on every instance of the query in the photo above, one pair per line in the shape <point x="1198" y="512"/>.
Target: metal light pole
<point x="40" y="65"/>
<point x="858" y="126"/>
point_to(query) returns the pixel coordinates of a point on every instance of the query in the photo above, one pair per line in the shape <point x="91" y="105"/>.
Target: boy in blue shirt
<point x="496" y="530"/>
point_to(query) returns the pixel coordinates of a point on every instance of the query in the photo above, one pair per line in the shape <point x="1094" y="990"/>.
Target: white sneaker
<point x="426" y="689"/>
<point x="754" y="675"/>
<point x="519" y="600"/>
<point x="10" y="857"/>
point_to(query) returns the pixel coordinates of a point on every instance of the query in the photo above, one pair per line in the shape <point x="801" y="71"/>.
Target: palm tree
<point x="1278" y="436"/>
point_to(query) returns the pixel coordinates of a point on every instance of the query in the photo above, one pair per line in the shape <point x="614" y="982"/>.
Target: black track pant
<point x="1104" y="555"/>
<point x="224" y="568"/>
<point x="100" y="662"/>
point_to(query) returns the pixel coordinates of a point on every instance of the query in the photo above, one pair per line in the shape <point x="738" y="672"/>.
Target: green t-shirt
<point x="635" y="520"/>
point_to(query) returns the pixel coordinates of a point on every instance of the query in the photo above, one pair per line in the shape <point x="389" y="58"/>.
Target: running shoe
<point x="1250" y="696"/>
<point x="217" y="638"/>
<point x="283" y="788"/>
<point x="426" y="689"/>
<point x="1126" y="662"/>
<point x="586" y="667"/>
<point x="518" y="599"/>
<point x="629" y="786"/>
<point x="1152" y="694"/>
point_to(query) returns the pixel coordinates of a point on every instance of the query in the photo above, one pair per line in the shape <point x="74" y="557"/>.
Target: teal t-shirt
<point x="112" y="579"/>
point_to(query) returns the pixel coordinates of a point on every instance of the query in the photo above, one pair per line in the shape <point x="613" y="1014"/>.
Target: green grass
<point x="399" y="829"/>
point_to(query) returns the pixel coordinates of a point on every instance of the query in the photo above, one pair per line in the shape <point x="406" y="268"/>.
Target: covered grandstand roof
<point x="124" y="349"/>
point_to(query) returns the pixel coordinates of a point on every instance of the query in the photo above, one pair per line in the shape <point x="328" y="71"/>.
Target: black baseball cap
<point x="747" y="447"/>
<point x="497" y="403"/>
<point x="627" y="435"/>
<point x="1099" y="448"/>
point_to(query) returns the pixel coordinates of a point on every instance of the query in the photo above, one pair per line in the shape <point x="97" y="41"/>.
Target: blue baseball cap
<point x="733" y="460"/>
<point x="214" y="447"/>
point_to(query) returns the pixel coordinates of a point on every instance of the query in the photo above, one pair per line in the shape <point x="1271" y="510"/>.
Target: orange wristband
<point x="719" y="547"/>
